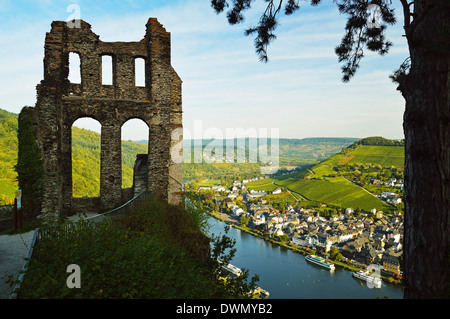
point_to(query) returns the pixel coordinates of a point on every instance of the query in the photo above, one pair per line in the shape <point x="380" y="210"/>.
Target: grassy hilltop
<point x="338" y="180"/>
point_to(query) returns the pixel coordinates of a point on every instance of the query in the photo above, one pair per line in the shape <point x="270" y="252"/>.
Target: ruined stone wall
<point x="60" y="103"/>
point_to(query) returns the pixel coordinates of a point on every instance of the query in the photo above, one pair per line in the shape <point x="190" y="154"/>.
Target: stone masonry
<point x="60" y="103"/>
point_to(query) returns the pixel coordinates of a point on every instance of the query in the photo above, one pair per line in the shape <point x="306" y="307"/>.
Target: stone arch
<point x="135" y="162"/>
<point x="87" y="159"/>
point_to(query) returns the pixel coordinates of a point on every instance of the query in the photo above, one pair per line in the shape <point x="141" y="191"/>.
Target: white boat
<point x="237" y="272"/>
<point x="232" y="269"/>
<point x="319" y="261"/>
<point x="371" y="280"/>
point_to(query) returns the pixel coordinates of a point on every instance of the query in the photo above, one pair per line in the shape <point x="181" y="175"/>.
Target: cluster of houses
<point x="392" y="182"/>
<point x="391" y="198"/>
<point x="357" y="238"/>
<point x="238" y="188"/>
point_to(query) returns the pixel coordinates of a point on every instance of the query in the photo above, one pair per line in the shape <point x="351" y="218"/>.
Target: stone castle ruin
<point x="60" y="103"/>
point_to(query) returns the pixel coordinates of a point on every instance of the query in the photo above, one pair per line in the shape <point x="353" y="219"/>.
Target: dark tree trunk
<point x="426" y="90"/>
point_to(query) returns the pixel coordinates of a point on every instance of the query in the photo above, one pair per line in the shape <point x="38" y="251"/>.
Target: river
<point x="287" y="275"/>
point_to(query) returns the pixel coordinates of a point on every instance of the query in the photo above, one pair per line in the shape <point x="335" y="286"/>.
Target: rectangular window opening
<point x="74" y="68"/>
<point x="107" y="70"/>
<point x="139" y="71"/>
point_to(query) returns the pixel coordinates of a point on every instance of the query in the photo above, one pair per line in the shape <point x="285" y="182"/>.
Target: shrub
<point x="156" y="251"/>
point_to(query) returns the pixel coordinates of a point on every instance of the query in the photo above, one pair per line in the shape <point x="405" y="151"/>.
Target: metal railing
<point x="41" y="232"/>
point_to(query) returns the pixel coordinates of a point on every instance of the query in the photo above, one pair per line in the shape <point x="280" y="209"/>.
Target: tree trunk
<point x="426" y="90"/>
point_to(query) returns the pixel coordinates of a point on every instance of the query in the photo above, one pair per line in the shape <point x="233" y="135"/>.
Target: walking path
<point x="13" y="251"/>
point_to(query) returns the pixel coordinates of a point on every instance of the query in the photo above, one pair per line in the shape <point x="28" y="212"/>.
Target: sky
<point x="299" y="92"/>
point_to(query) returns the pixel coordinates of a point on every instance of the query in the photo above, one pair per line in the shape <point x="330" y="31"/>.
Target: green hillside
<point x="292" y="152"/>
<point x="8" y="158"/>
<point x="385" y="156"/>
<point x="85" y="160"/>
<point x="343" y="179"/>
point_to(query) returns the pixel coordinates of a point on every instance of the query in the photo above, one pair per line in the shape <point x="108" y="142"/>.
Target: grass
<point x="320" y="187"/>
<point x="156" y="251"/>
<point x="266" y="184"/>
<point x="322" y="184"/>
<point x="386" y="156"/>
<point x="338" y="192"/>
<point x="209" y="183"/>
<point x="282" y="198"/>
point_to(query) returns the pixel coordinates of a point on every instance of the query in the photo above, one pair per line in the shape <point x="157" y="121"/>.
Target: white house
<point x="277" y="191"/>
<point x="259" y="219"/>
<point x="219" y="189"/>
<point x="237" y="211"/>
<point x="257" y="194"/>
<point x="395" y="201"/>
<point x="387" y="195"/>
<point x="276" y="229"/>
<point x="305" y="240"/>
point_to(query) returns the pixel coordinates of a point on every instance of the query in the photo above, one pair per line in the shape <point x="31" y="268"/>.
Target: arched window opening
<point x="139" y="71"/>
<point x="107" y="70"/>
<point x="74" y="68"/>
<point x="86" y="146"/>
<point x="135" y="135"/>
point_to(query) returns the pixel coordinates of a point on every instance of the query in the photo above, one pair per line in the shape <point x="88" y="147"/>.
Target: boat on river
<point x="319" y="261"/>
<point x="232" y="269"/>
<point x="371" y="280"/>
<point x="236" y="271"/>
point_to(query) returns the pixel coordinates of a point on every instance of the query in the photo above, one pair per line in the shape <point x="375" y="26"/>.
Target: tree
<point x="244" y="220"/>
<point x="333" y="252"/>
<point x="424" y="81"/>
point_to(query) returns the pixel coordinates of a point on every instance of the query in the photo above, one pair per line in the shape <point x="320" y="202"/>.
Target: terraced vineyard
<point x="323" y="184"/>
<point x="265" y="184"/>
<point x="335" y="191"/>
<point x="386" y="156"/>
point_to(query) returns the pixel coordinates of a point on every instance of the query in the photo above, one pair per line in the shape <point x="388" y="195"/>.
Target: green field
<point x="209" y="183"/>
<point x="281" y="199"/>
<point x="265" y="184"/>
<point x="386" y="156"/>
<point x="321" y="183"/>
<point x="337" y="192"/>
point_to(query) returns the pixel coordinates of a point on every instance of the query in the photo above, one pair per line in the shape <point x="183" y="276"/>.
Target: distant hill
<point x="85" y="159"/>
<point x="86" y="162"/>
<point x="8" y="156"/>
<point x="380" y="141"/>
<point x="376" y="150"/>
<point x="337" y="180"/>
<point x="292" y="153"/>
<point x="320" y="183"/>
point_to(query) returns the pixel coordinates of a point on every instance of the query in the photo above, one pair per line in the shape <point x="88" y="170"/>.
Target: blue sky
<point x="299" y="91"/>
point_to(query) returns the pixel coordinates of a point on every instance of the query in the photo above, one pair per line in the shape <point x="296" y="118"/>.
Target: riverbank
<point x="347" y="265"/>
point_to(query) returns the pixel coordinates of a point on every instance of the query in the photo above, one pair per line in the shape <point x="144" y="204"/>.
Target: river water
<point x="287" y="275"/>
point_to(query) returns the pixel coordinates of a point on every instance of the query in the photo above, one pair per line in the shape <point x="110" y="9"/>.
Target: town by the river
<point x="287" y="275"/>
